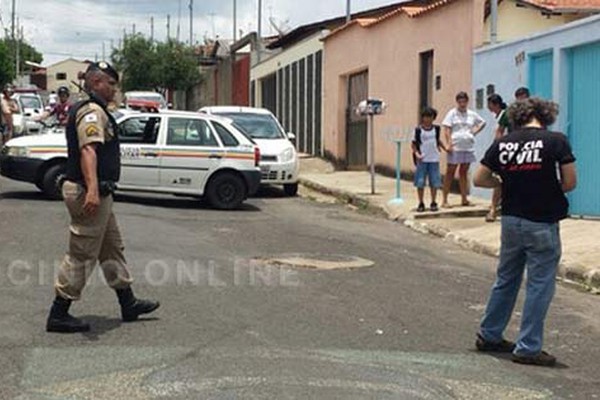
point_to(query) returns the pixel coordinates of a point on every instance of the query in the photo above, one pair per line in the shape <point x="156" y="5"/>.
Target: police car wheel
<point x="53" y="180"/>
<point x="226" y="191"/>
<point x="290" y="189"/>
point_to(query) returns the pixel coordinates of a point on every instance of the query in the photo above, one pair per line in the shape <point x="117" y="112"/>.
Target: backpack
<point x="417" y="142"/>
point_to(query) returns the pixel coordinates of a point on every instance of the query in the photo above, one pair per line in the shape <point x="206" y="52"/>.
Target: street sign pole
<point x="398" y="199"/>
<point x="372" y="151"/>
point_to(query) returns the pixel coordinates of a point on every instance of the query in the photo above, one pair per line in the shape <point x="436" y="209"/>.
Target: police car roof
<point x="175" y="113"/>
<point x="142" y="93"/>
<point x="234" y="109"/>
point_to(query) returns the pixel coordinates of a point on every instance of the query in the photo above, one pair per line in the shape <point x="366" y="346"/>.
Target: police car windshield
<point x="30" y="102"/>
<point x="257" y="126"/>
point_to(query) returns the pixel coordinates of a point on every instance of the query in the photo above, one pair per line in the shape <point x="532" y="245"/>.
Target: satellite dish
<point x="282" y="27"/>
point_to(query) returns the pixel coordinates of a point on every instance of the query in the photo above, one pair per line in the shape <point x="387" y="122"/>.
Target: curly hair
<point x="523" y="112"/>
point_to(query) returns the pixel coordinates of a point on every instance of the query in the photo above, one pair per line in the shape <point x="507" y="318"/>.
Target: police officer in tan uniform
<point x="93" y="169"/>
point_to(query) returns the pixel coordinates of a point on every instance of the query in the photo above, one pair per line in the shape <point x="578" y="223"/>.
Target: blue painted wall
<point x="507" y="67"/>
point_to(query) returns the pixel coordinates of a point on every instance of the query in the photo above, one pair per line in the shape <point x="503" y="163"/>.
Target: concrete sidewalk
<point x="464" y="226"/>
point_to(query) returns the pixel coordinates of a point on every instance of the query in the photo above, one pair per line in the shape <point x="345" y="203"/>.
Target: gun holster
<point x="106" y="188"/>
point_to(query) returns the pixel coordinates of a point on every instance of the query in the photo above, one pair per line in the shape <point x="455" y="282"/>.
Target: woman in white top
<point x="460" y="127"/>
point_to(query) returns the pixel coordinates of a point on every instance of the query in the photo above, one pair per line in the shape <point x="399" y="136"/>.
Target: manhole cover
<point x="317" y="261"/>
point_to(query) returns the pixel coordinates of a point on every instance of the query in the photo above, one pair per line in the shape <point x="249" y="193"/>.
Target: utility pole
<point x="259" y="20"/>
<point x="234" y="21"/>
<point x="18" y="45"/>
<point x="348" y="11"/>
<point x="13" y="14"/>
<point x="494" y="22"/>
<point x="168" y="27"/>
<point x="152" y="29"/>
<point x="179" y="22"/>
<point x="212" y="19"/>
<point x="191" y="22"/>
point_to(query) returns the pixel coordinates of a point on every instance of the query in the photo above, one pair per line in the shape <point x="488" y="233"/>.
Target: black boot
<point x="61" y="321"/>
<point x="132" y="308"/>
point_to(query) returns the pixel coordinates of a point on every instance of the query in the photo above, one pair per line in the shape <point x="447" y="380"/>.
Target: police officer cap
<point x="104" y="67"/>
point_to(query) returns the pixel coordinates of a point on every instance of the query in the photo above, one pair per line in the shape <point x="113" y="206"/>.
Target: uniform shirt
<point x="429" y="146"/>
<point x="461" y="125"/>
<point x="527" y="162"/>
<point x="93" y="125"/>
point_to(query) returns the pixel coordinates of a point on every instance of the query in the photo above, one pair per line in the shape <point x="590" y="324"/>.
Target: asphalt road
<point x="233" y="325"/>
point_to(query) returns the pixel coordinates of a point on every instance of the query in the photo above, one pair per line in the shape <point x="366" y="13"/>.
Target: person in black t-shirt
<point x="535" y="168"/>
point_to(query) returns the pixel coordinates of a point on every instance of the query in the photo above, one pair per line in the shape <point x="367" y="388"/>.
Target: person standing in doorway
<point x="498" y="107"/>
<point x="535" y="168"/>
<point x="460" y="126"/>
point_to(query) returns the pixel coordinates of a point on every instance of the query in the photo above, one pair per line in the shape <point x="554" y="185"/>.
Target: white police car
<point x="172" y="152"/>
<point x="279" y="160"/>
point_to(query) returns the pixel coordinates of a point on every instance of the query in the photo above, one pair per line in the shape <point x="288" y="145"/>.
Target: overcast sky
<point x="77" y="28"/>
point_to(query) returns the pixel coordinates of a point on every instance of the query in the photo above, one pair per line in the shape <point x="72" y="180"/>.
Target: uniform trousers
<point x="92" y="240"/>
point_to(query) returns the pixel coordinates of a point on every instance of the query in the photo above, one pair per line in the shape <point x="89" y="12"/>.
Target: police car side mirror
<point x="291" y="136"/>
<point x="170" y="106"/>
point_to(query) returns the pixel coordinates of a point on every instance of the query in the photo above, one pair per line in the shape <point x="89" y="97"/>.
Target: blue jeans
<point x="428" y="171"/>
<point x="537" y="246"/>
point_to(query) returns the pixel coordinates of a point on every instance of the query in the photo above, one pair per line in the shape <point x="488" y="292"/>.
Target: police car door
<point x="140" y="151"/>
<point x="191" y="153"/>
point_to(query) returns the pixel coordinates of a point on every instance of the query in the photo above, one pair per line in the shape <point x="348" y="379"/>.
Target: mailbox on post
<point x="370" y="108"/>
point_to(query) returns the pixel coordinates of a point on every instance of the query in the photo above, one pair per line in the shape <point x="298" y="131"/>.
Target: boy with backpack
<point x="426" y="148"/>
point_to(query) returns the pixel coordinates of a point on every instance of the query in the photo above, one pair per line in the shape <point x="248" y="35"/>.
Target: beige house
<point x="409" y="58"/>
<point x="63" y="73"/>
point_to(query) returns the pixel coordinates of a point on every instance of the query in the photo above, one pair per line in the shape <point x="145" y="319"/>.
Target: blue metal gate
<point x="540" y="74"/>
<point x="584" y="127"/>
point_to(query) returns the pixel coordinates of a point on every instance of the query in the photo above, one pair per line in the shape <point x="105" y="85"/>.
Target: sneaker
<point x="421" y="207"/>
<point x="503" y="346"/>
<point x="434" y="207"/>
<point x="541" y="359"/>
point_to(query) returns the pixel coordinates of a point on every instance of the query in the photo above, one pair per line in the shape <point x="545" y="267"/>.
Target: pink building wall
<point x="390" y="52"/>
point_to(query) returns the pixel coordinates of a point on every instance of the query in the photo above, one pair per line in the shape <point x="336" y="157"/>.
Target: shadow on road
<point x="100" y="326"/>
<point x="184" y="203"/>
<point x="162" y="201"/>
<point x="33" y="195"/>
<point x="508" y="358"/>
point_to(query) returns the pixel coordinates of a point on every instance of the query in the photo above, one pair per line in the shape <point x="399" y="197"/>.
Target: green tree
<point x="137" y="61"/>
<point x="7" y="70"/>
<point x="148" y="65"/>
<point x="26" y="50"/>
<point x="177" y="66"/>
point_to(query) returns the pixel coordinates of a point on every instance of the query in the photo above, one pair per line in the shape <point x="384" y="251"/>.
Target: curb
<point x="568" y="273"/>
<point x="346" y="197"/>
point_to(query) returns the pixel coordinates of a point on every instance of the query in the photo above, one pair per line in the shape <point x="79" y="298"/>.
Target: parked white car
<point x="279" y="162"/>
<point x="30" y="106"/>
<point x="173" y="152"/>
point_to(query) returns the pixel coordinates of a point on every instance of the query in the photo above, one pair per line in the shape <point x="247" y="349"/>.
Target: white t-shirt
<point x="429" y="147"/>
<point x="462" y="125"/>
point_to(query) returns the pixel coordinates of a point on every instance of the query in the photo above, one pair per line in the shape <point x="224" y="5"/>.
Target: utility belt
<point x="105" y="188"/>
